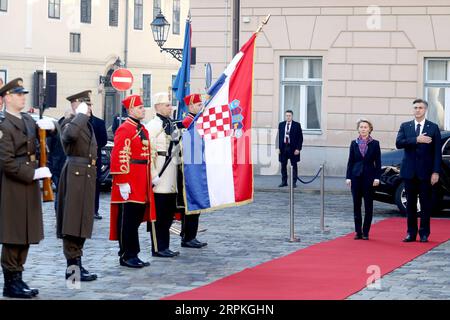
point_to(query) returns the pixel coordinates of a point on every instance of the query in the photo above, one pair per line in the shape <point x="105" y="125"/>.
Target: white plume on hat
<point x="160" y="98"/>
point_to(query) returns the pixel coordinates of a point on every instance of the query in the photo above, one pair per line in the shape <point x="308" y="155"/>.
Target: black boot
<point x="84" y="274"/>
<point x="13" y="287"/>
<point x="72" y="267"/>
<point x="34" y="292"/>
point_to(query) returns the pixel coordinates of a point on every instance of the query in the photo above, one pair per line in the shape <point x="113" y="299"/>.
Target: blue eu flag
<point x="181" y="86"/>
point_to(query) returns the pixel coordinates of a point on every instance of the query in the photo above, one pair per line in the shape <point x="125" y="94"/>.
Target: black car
<point x="105" y="176"/>
<point x="392" y="187"/>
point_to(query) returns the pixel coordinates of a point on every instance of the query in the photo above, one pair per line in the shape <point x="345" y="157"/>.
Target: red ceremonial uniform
<point x="130" y="163"/>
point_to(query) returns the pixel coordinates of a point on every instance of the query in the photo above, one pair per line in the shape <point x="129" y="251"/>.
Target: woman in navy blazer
<point x="363" y="173"/>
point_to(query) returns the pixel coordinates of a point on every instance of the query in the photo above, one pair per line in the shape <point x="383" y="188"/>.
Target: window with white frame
<point x="437" y="90"/>
<point x="86" y="11"/>
<point x="138" y="14"/>
<point x="4" y="5"/>
<point x="147" y="90"/>
<point x="176" y="17"/>
<point x="54" y="9"/>
<point x="301" y="90"/>
<point x="75" y="42"/>
<point x="113" y="13"/>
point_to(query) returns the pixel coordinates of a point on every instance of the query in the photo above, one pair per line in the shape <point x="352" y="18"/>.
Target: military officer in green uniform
<point x="20" y="197"/>
<point x="76" y="188"/>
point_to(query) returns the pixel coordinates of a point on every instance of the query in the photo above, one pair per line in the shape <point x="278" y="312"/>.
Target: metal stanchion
<point x="291" y="206"/>
<point x="322" y="197"/>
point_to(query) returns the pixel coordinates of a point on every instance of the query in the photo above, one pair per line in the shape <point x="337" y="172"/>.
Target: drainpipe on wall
<point x="125" y="54"/>
<point x="236" y="20"/>
<point x="226" y="31"/>
<point x="125" y="51"/>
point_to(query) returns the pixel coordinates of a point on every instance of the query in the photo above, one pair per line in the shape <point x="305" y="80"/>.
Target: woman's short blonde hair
<point x="366" y="121"/>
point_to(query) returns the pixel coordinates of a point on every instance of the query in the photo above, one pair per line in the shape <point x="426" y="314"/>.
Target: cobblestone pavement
<point x="238" y="238"/>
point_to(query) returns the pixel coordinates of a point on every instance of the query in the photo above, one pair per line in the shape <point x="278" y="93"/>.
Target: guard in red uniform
<point x="132" y="200"/>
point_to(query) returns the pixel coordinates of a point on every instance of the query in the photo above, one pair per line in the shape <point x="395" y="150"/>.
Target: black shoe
<point x="175" y="253"/>
<point x="424" y="239"/>
<point x="13" y="288"/>
<point x="358" y="237"/>
<point x="84" y="274"/>
<point x="132" y="263"/>
<point x="34" y="292"/>
<point x="167" y="253"/>
<point x="409" y="238"/>
<point x="87" y="276"/>
<point x="97" y="216"/>
<point x="203" y="244"/>
<point x="365" y="237"/>
<point x="282" y="185"/>
<point x="191" y="244"/>
<point x="144" y="264"/>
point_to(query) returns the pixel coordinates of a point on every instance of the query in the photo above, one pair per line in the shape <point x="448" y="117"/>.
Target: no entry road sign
<point x="122" y="79"/>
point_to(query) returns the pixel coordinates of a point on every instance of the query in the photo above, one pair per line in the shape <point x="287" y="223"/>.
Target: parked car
<point x="392" y="187"/>
<point x="105" y="176"/>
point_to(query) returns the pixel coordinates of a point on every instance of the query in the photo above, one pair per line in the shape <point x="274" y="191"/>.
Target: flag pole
<point x="264" y="22"/>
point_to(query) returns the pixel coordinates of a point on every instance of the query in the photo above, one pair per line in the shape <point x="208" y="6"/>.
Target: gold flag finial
<point x="264" y="22"/>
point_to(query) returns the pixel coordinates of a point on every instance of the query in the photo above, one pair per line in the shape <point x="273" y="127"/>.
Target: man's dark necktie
<point x="418" y="130"/>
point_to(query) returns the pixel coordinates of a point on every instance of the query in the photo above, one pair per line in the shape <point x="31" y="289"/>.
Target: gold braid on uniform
<point x="145" y="152"/>
<point x="124" y="157"/>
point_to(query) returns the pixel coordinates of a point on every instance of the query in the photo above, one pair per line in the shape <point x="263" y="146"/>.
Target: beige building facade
<point x="82" y="41"/>
<point x="332" y="62"/>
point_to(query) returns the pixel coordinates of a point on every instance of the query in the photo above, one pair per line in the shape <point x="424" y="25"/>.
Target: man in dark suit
<point x="101" y="135"/>
<point x="56" y="157"/>
<point x="289" y="143"/>
<point x="420" y="168"/>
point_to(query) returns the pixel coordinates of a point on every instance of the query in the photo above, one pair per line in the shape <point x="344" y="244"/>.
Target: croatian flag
<point x="217" y="164"/>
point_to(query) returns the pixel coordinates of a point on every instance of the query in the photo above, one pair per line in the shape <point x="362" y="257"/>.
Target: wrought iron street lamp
<point x="160" y="30"/>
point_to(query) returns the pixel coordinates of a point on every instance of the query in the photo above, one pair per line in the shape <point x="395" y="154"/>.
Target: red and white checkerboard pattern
<point x="215" y="123"/>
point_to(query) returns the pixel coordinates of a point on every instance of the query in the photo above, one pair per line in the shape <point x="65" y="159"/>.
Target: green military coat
<point x="20" y="195"/>
<point x="76" y="187"/>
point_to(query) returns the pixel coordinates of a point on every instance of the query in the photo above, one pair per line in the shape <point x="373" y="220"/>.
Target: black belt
<point x="81" y="160"/>
<point x="162" y="153"/>
<point x="136" y="161"/>
<point x="30" y="158"/>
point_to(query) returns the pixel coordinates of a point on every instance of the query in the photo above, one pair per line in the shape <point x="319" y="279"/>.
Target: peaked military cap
<point x="14" y="86"/>
<point x="84" y="96"/>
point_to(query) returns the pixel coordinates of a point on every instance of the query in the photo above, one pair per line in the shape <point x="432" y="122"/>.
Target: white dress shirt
<point x="422" y="124"/>
<point x="286" y="135"/>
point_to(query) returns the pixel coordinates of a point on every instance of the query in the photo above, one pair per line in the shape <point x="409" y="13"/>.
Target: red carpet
<point x="333" y="270"/>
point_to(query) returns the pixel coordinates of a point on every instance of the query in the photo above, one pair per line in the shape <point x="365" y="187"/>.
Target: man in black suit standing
<point x="101" y="136"/>
<point x="421" y="165"/>
<point x="289" y="143"/>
